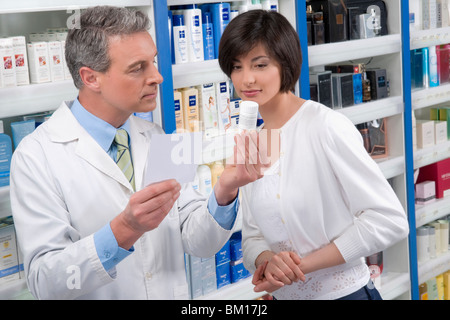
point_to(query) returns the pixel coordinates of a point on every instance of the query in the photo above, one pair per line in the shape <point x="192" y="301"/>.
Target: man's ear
<point x="90" y="78"/>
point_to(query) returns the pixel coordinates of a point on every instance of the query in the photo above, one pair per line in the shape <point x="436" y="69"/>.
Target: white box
<point x="9" y="263"/>
<point x="7" y="63"/>
<point x="38" y="61"/>
<point x="208" y="114"/>
<point x="21" y="58"/>
<point x="67" y="74"/>
<point x="56" y="61"/>
<point x="440" y="131"/>
<point x="425" y="133"/>
<point x="223" y="106"/>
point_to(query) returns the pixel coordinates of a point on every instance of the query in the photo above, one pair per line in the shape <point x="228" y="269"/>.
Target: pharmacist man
<point x="83" y="230"/>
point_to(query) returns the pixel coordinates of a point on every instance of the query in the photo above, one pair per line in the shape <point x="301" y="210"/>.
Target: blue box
<point x="236" y="246"/>
<point x="224" y="254"/>
<point x="238" y="272"/>
<point x="223" y="274"/>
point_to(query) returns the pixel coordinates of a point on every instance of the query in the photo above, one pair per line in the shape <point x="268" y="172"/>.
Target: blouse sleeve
<point x="253" y="242"/>
<point x="379" y="218"/>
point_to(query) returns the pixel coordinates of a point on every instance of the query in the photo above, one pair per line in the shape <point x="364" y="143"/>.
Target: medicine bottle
<point x="248" y="115"/>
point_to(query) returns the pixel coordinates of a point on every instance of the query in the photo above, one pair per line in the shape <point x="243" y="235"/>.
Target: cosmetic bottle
<point x="220" y="13"/>
<point x="216" y="170"/>
<point x="180" y="46"/>
<point x="208" y="36"/>
<point x="5" y="157"/>
<point x="204" y="179"/>
<point x="190" y="109"/>
<point x="193" y="21"/>
<point x="423" y="247"/>
<point x="179" y="118"/>
<point x="432" y="58"/>
<point x="248" y="115"/>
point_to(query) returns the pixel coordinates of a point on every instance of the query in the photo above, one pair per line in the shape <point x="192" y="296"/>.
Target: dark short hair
<point x="274" y="32"/>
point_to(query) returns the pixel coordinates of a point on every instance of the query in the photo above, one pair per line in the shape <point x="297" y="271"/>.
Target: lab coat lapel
<point x="140" y="142"/>
<point x="65" y="128"/>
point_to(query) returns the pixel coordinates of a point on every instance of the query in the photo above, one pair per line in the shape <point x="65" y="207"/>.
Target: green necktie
<point x="123" y="158"/>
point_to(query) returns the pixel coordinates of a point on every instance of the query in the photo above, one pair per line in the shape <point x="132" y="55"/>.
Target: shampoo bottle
<point x="221" y="18"/>
<point x="193" y="21"/>
<point x="208" y="36"/>
<point x="180" y="46"/>
<point x="5" y="157"/>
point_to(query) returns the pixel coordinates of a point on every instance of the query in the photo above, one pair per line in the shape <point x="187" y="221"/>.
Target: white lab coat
<point x="65" y="187"/>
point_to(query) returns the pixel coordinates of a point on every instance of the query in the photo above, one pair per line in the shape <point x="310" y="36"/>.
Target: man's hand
<point x="145" y="210"/>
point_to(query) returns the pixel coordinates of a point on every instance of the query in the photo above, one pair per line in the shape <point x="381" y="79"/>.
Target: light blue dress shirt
<point x="108" y="250"/>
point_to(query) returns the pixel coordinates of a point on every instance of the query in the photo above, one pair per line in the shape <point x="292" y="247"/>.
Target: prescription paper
<point x="173" y="156"/>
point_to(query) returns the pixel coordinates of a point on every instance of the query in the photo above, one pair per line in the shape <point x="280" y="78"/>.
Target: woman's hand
<point x="276" y="270"/>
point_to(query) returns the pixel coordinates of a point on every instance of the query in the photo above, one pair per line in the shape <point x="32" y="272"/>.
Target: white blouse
<point x="324" y="188"/>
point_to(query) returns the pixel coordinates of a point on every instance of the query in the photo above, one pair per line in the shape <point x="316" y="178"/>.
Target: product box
<point x="223" y="106"/>
<point x="194" y="275"/>
<point x="444" y="115"/>
<point x="56" y="60"/>
<point x="357" y="88"/>
<point x="378" y="83"/>
<point x="39" y="62"/>
<point x="67" y="74"/>
<point x="425" y="133"/>
<point x="21" y="59"/>
<point x="440" y="131"/>
<point x="9" y="262"/>
<point x="443" y="59"/>
<point x="7" y="63"/>
<point x="208" y="109"/>
<point x="324" y="87"/>
<point x="425" y="192"/>
<point x="378" y="138"/>
<point x="238" y="271"/>
<point x="236" y="247"/>
<point x="223" y="255"/>
<point x="223" y="275"/>
<point x="439" y="172"/>
<point x="334" y="17"/>
<point x="342" y="90"/>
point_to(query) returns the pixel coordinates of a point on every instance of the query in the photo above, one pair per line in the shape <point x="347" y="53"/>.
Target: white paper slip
<point x="173" y="156"/>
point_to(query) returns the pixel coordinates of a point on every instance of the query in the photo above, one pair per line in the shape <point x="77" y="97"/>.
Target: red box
<point x="438" y="172"/>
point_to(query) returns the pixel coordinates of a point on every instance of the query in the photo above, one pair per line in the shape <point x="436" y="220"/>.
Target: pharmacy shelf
<point x="15" y="290"/>
<point x="52" y="5"/>
<point x="422" y="98"/>
<point x="373" y="110"/>
<point x="393" y="285"/>
<point x="34" y="98"/>
<point x="433" y="267"/>
<point x="432" y="211"/>
<point x="5" y="206"/>
<point x="426" y="156"/>
<point x="352" y="50"/>
<point x="197" y="73"/>
<point x="428" y="38"/>
<point x="241" y="290"/>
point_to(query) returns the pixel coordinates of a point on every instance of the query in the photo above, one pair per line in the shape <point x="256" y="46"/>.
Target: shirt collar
<point x="100" y="130"/>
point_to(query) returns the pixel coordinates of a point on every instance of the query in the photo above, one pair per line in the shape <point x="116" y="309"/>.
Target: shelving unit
<point x="402" y="273"/>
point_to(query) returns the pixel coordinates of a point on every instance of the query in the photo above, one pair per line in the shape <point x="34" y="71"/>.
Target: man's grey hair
<point x="87" y="46"/>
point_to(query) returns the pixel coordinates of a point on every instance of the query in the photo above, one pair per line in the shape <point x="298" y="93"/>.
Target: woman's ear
<point x="90" y="78"/>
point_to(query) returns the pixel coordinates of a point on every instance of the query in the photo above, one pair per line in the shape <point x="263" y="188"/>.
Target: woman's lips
<point x="250" y="93"/>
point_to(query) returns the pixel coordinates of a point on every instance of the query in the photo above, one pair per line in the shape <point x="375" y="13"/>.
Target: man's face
<point x="131" y="82"/>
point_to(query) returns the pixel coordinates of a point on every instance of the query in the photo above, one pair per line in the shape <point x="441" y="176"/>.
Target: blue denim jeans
<point x="368" y="292"/>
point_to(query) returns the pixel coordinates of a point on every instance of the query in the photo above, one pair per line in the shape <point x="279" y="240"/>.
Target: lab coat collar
<point x="63" y="128"/>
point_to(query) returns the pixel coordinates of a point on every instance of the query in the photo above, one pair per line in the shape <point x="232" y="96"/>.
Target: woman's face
<point x="256" y="76"/>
